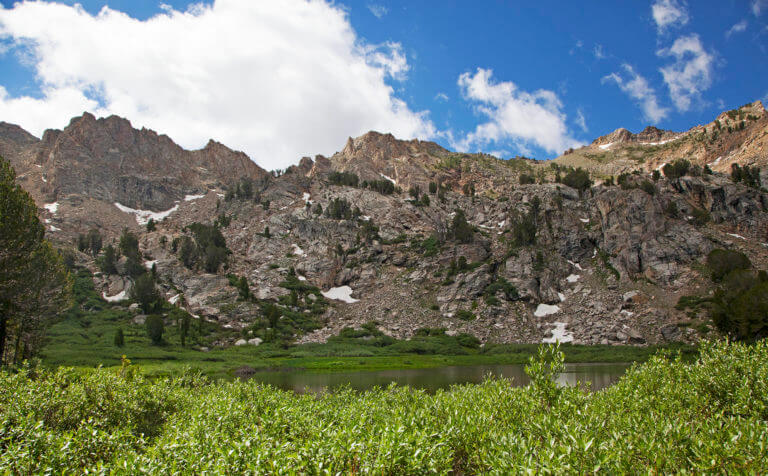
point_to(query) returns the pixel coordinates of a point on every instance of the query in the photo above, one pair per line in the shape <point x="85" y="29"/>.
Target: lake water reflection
<point x="598" y="374"/>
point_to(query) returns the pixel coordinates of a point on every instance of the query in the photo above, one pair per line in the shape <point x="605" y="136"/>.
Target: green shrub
<point x="648" y="187"/>
<point x="526" y="179"/>
<point x="465" y="315"/>
<point x="343" y="178"/>
<point x="676" y="169"/>
<point x="666" y="416"/>
<point x="578" y="178"/>
<point x="700" y="217"/>
<point x="721" y="262"/>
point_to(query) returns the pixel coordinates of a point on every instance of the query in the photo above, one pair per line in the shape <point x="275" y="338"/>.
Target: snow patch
<point x="189" y="198"/>
<point x="341" y="293"/>
<point x="502" y="223"/>
<point x="52" y="207"/>
<point x="149" y="264"/>
<point x="44" y="179"/>
<point x="561" y="296"/>
<point x="388" y="178"/>
<point x="121" y="296"/>
<point x="143" y="216"/>
<point x="53" y="228"/>
<point x="736" y="236"/>
<point x="662" y="142"/>
<point x="545" y="310"/>
<point x="572" y="278"/>
<point x="175" y="299"/>
<point x="559" y="334"/>
<point x="365" y="218"/>
<point x="302" y="278"/>
<point x="584" y="220"/>
<point x="717" y="160"/>
<point x="297" y="250"/>
<point x="606" y="146"/>
<point x="306" y="198"/>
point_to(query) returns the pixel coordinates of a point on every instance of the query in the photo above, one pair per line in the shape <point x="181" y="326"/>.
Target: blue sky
<point x="282" y="79"/>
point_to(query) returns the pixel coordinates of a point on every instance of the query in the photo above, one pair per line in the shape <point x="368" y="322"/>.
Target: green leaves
<point x="34" y="283"/>
<point x="666" y="416"/>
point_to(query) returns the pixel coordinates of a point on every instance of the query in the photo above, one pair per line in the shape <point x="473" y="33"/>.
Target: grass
<point x="663" y="417"/>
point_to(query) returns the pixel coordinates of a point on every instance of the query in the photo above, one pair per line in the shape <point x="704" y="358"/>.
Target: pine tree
<point x="34" y="283"/>
<point x="108" y="261"/>
<point x="119" y="337"/>
<point x="145" y="293"/>
<point x="94" y="241"/>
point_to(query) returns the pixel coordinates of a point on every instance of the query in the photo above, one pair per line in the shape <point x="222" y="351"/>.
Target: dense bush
<point x="344" y="178"/>
<point x="750" y="176"/>
<point x="676" y="169"/>
<point x="721" y="262"/>
<point x="739" y="307"/>
<point x="208" y="250"/>
<point x="577" y="178"/>
<point x="339" y="209"/>
<point x="384" y="187"/>
<point x="663" y="417"/>
<point x="526" y="179"/>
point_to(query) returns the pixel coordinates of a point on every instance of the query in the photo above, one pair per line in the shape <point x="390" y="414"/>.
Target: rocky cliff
<point x="533" y="261"/>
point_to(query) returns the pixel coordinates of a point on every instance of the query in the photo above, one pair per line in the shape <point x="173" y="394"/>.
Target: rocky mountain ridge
<point x="738" y="136"/>
<point x="539" y="259"/>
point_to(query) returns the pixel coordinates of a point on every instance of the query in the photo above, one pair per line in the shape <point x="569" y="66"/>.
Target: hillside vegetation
<point x="665" y="416"/>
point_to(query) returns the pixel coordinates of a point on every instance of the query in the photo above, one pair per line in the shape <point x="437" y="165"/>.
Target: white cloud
<point x="637" y="88"/>
<point x="581" y="121"/>
<point x="513" y="115"/>
<point x="278" y="79"/>
<point x="690" y="74"/>
<point x="441" y="97"/>
<point x="577" y="46"/>
<point x="758" y="6"/>
<point x="378" y="10"/>
<point x="669" y="13"/>
<point x="737" y="28"/>
<point x="598" y="51"/>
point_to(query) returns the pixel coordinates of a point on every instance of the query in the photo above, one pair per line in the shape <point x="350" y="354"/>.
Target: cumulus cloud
<point x="523" y="118"/>
<point x="669" y="13"/>
<point x="276" y="78"/>
<point x="378" y="10"/>
<point x="637" y="88"/>
<point x="690" y="74"/>
<point x="737" y="28"/>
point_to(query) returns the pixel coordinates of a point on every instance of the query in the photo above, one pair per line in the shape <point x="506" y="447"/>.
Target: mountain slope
<point x="543" y="260"/>
<point x="737" y="136"/>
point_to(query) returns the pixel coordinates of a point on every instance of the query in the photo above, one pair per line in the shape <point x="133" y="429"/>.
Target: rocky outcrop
<point x="108" y="160"/>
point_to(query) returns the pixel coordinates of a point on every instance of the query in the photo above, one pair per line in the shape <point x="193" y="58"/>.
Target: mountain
<point x="542" y="254"/>
<point x="737" y="136"/>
